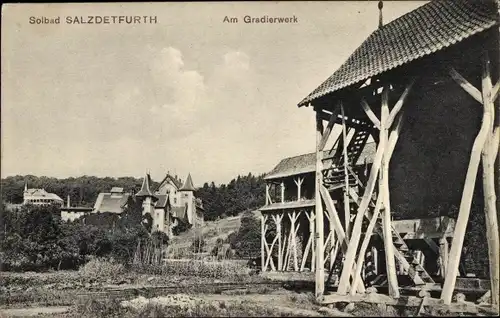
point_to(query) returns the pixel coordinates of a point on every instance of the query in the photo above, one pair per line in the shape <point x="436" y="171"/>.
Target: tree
<point x="248" y="238"/>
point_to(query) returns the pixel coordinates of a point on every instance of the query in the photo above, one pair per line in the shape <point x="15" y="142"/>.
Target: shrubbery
<point x="34" y="238"/>
<point x="246" y="242"/>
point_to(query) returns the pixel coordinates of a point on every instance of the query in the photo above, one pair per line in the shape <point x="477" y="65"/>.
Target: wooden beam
<point x="320" y="271"/>
<point x="371" y="115"/>
<point x="399" y="104"/>
<point x="263" y="219"/>
<point x="375" y="260"/>
<point x="294" y="241"/>
<point x="356" y="230"/>
<point x="333" y="242"/>
<point x="364" y="246"/>
<point x="443" y="256"/>
<point x="384" y="190"/>
<point x="494" y="91"/>
<point x="468" y="87"/>
<point x="488" y="162"/>
<point x="312" y="224"/>
<point x="286" y="250"/>
<point x="347" y="210"/>
<point x="299" y="182"/>
<point x="282" y="192"/>
<point x="338" y="227"/>
<point x="329" y="127"/>
<point x="268" y="196"/>
<point x="434" y="247"/>
<point x="465" y="204"/>
<point x="306" y="253"/>
<point x="270" y="254"/>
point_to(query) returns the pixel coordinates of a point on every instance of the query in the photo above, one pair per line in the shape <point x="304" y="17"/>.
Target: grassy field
<point x="212" y="230"/>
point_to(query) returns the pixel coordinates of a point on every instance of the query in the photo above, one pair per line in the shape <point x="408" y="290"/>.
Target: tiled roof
<point x="179" y="212"/>
<point x="307" y="163"/>
<point x="111" y="202"/>
<point x="41" y="194"/>
<point x="162" y="200"/>
<point x="188" y="184"/>
<point x="423" y="31"/>
<point x="175" y="181"/>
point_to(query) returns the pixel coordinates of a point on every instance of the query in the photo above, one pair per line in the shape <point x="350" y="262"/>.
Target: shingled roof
<point x="423" y="31"/>
<point x="188" y="184"/>
<point x="307" y="163"/>
<point x="146" y="187"/>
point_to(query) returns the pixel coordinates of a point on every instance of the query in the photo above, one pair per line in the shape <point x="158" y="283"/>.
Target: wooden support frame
<point x="385" y="121"/>
<point x="277" y="220"/>
<point x="347" y="210"/>
<point x="338" y="226"/>
<point x="364" y="246"/>
<point x="263" y="219"/>
<point x="268" y="196"/>
<point x="379" y="168"/>
<point x="484" y="148"/>
<point x="299" y="182"/>
<point x="320" y="271"/>
<point x="329" y="127"/>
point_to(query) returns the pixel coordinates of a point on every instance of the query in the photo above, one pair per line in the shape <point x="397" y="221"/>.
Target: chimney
<point x="68" y="202"/>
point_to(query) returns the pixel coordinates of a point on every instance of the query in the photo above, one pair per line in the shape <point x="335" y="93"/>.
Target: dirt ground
<point x="61" y="294"/>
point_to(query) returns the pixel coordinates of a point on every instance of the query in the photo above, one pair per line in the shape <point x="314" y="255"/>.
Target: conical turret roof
<point x="146" y="187"/>
<point x="188" y="184"/>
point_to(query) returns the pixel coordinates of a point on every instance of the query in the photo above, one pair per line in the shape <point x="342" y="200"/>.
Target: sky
<point x="189" y="94"/>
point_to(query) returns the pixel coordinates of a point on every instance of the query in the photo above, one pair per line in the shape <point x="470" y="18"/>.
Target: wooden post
<point x="443" y="256"/>
<point x="282" y="192"/>
<point x="338" y="228"/>
<point x="312" y="230"/>
<point x="356" y="229"/>
<point x="488" y="162"/>
<point x="309" y="242"/>
<point x="298" y="182"/>
<point x="364" y="246"/>
<point x="332" y="240"/>
<point x="347" y="210"/>
<point x="384" y="189"/>
<point x="375" y="260"/>
<point x="320" y="272"/>
<point x="262" y="241"/>
<point x="268" y="197"/>
<point x="467" y="194"/>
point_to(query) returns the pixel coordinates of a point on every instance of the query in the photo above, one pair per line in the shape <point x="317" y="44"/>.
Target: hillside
<point x="212" y="230"/>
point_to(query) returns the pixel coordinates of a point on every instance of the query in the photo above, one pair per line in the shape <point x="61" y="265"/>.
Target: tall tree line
<point x="241" y="194"/>
<point x="83" y="191"/>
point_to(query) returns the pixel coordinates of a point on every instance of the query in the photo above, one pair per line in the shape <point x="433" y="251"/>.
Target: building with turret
<point x="173" y="201"/>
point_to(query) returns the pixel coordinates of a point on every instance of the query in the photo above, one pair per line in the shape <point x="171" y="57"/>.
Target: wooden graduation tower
<point x="425" y="88"/>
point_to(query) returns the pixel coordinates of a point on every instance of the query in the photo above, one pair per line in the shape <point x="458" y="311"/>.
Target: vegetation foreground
<point x="103" y="288"/>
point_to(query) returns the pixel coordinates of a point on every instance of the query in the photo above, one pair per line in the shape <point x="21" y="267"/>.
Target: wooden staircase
<point x="402" y="253"/>
<point x="334" y="176"/>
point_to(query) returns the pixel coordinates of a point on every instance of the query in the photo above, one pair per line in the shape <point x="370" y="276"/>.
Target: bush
<point x="198" y="268"/>
<point x="36" y="239"/>
<point x="101" y="268"/>
<point x="246" y="242"/>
